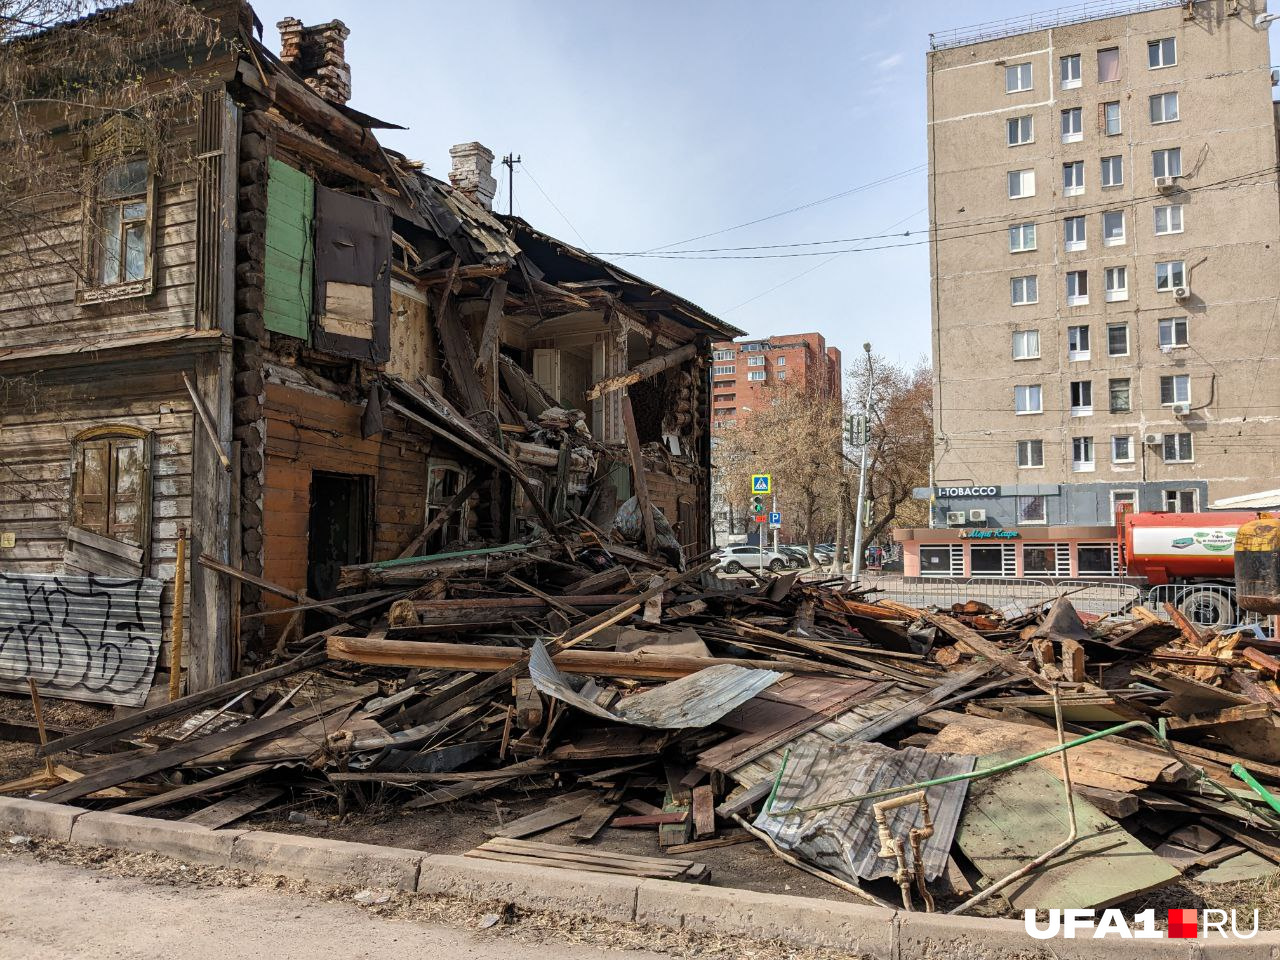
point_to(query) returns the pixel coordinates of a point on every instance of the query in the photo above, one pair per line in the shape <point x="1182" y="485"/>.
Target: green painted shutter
<point x="287" y="285"/>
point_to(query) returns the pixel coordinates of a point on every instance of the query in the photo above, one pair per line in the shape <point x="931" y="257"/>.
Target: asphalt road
<point x="53" y="911"/>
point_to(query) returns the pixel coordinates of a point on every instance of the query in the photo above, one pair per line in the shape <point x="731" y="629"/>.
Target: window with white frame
<point x="1112" y="228"/>
<point x="1126" y="500"/>
<point x="1166" y="163"/>
<point x="1177" y="448"/>
<point x="1031" y="509"/>
<point x="1175" y="389"/>
<point x="780" y="362"/>
<point x="1119" y="395"/>
<point x="727" y="371"/>
<point x="1164" y="107"/>
<point x="1117" y="339"/>
<point x="1077" y="288"/>
<point x="1109" y="65"/>
<point x="1170" y="275"/>
<point x="1073" y="178"/>
<point x="1168" y="218"/>
<point x="1026" y="399"/>
<point x="1122" y="449"/>
<point x="1082" y="455"/>
<point x="1097" y="559"/>
<point x="1081" y="392"/>
<point x="755" y="374"/>
<point x="1022" y="183"/>
<point x="1030" y="454"/>
<point x="754" y="347"/>
<point x="121" y="240"/>
<point x="722" y="355"/>
<point x="1026" y="344"/>
<point x="1073" y="236"/>
<point x="1020" y="130"/>
<point x="1162" y="53"/>
<point x="780" y="374"/>
<point x="1072" y="125"/>
<point x="755" y="361"/>
<point x="1182" y="501"/>
<point x="1173" y="332"/>
<point x="1017" y="78"/>
<point x="1116" y="284"/>
<point x="1078" y="343"/>
<point x="1023" y="290"/>
<point x="1022" y="237"/>
<point x="1111" y="118"/>
<point x="1042" y="559"/>
<point x="1113" y="171"/>
<point x="1069" y="71"/>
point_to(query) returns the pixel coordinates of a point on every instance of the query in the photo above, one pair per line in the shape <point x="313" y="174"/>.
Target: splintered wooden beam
<point x="441" y="518"/>
<point x="644" y="371"/>
<point x="492" y="323"/>
<point x="638" y="480"/>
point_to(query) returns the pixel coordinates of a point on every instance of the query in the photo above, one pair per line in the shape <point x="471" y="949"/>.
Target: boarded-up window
<point x="288" y="280"/>
<point x="353" y="276"/>
<point x="110" y="501"/>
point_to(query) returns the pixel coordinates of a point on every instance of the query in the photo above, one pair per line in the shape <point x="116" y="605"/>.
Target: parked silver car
<point x="735" y="559"/>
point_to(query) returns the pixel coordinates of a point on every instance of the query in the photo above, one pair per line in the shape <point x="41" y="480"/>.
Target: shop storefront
<point x="1048" y="552"/>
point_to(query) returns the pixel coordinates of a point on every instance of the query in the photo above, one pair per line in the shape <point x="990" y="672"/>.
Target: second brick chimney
<point x="318" y="55"/>
<point x="472" y="172"/>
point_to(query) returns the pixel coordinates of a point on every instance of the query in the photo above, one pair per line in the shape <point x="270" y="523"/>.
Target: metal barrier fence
<point x="1088" y="596"/>
<point x="1204" y="604"/>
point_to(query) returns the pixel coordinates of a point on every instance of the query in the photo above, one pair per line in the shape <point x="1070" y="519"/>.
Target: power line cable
<point x="524" y="168"/>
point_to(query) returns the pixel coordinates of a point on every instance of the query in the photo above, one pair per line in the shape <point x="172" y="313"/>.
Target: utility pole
<point x="856" y="552"/>
<point x="510" y="161"/>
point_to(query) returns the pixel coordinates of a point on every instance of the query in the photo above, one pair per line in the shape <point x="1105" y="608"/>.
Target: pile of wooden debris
<point x="896" y="752"/>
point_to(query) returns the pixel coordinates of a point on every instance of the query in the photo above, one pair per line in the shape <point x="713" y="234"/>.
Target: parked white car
<point x="735" y="559"/>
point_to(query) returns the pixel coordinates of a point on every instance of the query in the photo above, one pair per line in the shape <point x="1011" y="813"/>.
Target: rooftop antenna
<point x="510" y="161"/>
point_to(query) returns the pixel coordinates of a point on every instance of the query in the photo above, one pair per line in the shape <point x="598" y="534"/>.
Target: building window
<point x="1109" y="65"/>
<point x="1168" y="219"/>
<point x="1118" y="395"/>
<point x="1041" y="560"/>
<point x="1112" y="171"/>
<point x="1116" y="284"/>
<point x="724" y="397"/>
<point x="988" y="561"/>
<point x="780" y="362"/>
<point x="1112" y="228"/>
<point x="726" y="411"/>
<point x="1030" y="453"/>
<point x="1022" y="183"/>
<point x="111" y="488"/>
<point x="1072" y="125"/>
<point x="1022" y="291"/>
<point x="1020" y="130"/>
<point x="754" y="347"/>
<point x="1082" y="455"/>
<point x="1077" y="288"/>
<point x="1162" y="53"/>
<point x="1081" y="398"/>
<point x="1069" y="71"/>
<point x="1073" y="236"/>
<point x="1182" y="501"/>
<point x="1177" y="448"/>
<point x="755" y="374"/>
<point x="944" y="561"/>
<point x="1078" y="343"/>
<point x="1173" y="333"/>
<point x="1123" y="501"/>
<point x="1170" y="275"/>
<point x="722" y="355"/>
<point x="723" y="371"/>
<point x="1122" y="449"/>
<point x="1026" y="399"/>
<point x="1026" y="344"/>
<point x="1111" y="118"/>
<point x="755" y="361"/>
<point x="1117" y="340"/>
<point x="122" y="247"/>
<point x="1031" y="509"/>
<point x="1073" y="178"/>
<point x="1164" y="107"/>
<point x="1096" y="560"/>
<point x="1017" y="78"/>
<point x="1175" y="389"/>
<point x="1022" y="237"/>
<point x="1166" y="163"/>
<point x="780" y="374"/>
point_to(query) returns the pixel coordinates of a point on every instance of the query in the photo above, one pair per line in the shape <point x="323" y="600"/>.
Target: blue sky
<point x="649" y="122"/>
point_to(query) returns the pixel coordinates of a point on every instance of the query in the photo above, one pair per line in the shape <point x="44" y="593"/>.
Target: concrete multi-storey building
<point x="1105" y="262"/>
<point x="743" y="373"/>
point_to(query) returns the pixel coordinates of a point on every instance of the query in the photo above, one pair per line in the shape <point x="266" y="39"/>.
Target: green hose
<point x="1270" y="798"/>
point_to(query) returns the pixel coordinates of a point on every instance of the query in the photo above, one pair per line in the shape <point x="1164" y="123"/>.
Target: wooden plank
<point x="233" y="808"/>
<point x="441" y="518"/>
<point x="593" y="820"/>
<point x="492" y="323"/>
<point x="596" y="861"/>
<point x="984" y="648"/>
<point x="704" y="812"/>
<point x="727" y="839"/>
<point x="567" y="807"/>
<point x="644" y="371"/>
<point x="639" y="482"/>
<point x="896" y="718"/>
<point x="650" y="819"/>
<point x="189" y="790"/>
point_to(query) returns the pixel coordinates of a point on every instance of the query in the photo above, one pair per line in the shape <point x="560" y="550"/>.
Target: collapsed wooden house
<point x="291" y="348"/>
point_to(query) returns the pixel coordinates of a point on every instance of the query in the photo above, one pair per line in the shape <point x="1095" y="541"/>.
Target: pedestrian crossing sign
<point x="761" y="483"/>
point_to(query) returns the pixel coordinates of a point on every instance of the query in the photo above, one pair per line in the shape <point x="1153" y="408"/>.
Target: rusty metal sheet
<point x="698" y="700"/>
<point x="87" y="638"/>
<point x="843" y="840"/>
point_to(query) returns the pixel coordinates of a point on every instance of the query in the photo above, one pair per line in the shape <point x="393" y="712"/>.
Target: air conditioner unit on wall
<point x="955" y="518"/>
<point x="978" y="516"/>
<point x="1152" y="439"/>
<point x="1181" y="293"/>
<point x="1166" y="184"/>
<point x="1181" y="409"/>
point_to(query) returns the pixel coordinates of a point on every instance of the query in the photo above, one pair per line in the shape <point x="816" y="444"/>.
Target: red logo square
<point x="1183" y="923"/>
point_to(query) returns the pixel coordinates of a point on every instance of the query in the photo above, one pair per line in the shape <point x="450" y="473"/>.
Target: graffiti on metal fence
<point x="81" y="637"/>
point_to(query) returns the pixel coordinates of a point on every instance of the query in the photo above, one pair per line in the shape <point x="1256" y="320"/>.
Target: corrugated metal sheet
<point x="698" y="700"/>
<point x="843" y="840"/>
<point x="83" y="638"/>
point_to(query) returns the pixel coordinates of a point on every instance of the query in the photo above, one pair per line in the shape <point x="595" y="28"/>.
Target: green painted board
<point x="1241" y="867"/>
<point x="1012" y="818"/>
<point x="289" y="263"/>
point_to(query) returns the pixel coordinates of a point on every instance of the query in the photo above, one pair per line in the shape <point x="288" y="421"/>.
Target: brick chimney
<point x="472" y="172"/>
<point x="318" y="55"/>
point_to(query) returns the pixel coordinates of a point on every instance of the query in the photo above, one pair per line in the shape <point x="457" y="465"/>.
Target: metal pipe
<point x="855" y="558"/>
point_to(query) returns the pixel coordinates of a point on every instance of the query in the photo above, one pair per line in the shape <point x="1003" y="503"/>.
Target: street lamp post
<point x="862" y="474"/>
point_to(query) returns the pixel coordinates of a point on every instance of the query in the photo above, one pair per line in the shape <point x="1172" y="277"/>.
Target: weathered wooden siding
<point x="309" y="431"/>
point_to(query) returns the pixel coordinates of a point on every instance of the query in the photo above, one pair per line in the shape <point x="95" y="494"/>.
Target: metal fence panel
<point x="1014" y="594"/>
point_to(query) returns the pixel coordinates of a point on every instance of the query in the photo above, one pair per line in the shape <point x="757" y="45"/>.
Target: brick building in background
<point x="743" y="373"/>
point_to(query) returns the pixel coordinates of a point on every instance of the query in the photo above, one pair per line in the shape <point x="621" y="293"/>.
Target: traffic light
<point x="857" y="429"/>
<point x="757" y="505"/>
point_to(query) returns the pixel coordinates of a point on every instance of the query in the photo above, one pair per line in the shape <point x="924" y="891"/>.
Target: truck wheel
<point x="1207" y="608"/>
<point x="733" y="566"/>
<point x="777" y="565"/>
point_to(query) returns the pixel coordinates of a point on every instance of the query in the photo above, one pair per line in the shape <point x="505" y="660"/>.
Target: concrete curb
<point x="870" y="931"/>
